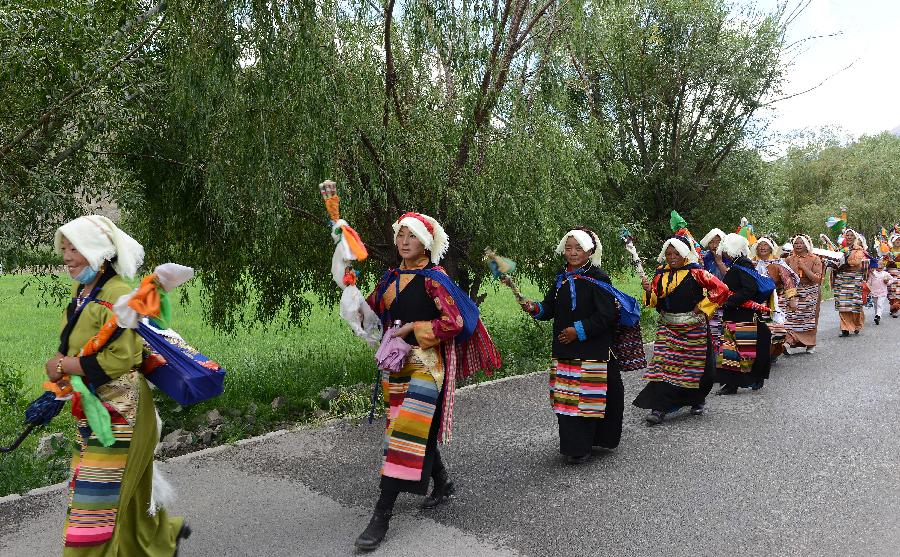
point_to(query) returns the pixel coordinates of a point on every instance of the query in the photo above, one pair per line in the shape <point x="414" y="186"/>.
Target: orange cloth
<point x="146" y="300"/>
<point x="355" y="243"/>
<point x="333" y="204"/>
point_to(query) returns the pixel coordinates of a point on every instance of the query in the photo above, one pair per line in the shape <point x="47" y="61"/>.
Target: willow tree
<point x="71" y="71"/>
<point x="433" y="106"/>
<point x="679" y="84"/>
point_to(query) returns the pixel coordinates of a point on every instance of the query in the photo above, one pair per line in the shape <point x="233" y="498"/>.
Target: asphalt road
<point x="810" y="465"/>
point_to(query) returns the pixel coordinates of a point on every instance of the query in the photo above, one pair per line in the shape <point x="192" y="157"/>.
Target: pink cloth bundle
<point x="392" y="353"/>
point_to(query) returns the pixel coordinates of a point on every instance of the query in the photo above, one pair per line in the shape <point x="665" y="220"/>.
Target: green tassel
<point x="97" y="414"/>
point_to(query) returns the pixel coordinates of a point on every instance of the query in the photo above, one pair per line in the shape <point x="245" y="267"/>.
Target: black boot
<point x="183" y="534"/>
<point x="443" y="487"/>
<point x="439" y="494"/>
<point x="374" y="533"/>
<point x="727" y="390"/>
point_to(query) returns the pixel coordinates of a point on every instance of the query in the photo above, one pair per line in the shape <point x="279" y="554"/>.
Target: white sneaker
<point x="811" y="350"/>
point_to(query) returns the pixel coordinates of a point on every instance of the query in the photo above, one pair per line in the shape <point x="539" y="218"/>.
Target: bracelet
<point x="59" y="366"/>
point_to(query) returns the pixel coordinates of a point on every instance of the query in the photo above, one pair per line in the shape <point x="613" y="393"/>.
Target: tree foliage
<point x="678" y="83"/>
<point x="71" y="71"/>
<point x="210" y="123"/>
<point x="820" y="177"/>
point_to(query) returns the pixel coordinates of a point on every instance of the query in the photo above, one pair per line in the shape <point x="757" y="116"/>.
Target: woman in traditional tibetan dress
<point x="744" y="358"/>
<point x="448" y="340"/>
<point x="717" y="265"/>
<point x="892" y="266"/>
<point x="802" y="321"/>
<point x="114" y="502"/>
<point x="847" y="281"/>
<point x="682" y="370"/>
<point x="766" y="253"/>
<point x="586" y="389"/>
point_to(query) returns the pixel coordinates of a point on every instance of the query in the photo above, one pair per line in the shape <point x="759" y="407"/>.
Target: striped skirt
<point x="412" y="395"/>
<point x="894" y="290"/>
<point x="802" y="323"/>
<point x="578" y="388"/>
<point x="679" y="354"/>
<point x="737" y="351"/>
<point x="848" y="291"/>
<point x="96" y="483"/>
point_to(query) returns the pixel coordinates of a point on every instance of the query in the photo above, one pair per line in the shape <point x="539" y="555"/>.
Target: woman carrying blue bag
<point x="115" y="499"/>
<point x="744" y="358"/>
<point x="586" y="390"/>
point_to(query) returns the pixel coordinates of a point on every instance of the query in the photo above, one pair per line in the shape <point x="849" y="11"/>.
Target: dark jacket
<point x="594" y="317"/>
<point x="743" y="288"/>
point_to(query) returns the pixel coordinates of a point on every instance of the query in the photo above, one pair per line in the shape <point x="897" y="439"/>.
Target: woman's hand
<point x="50" y="368"/>
<point x="568" y="335"/>
<point x="793" y="304"/>
<point x="645" y="284"/>
<point x="404" y="330"/>
<point x="527" y="306"/>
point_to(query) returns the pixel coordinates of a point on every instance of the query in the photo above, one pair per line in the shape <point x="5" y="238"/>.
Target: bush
<point x="21" y="470"/>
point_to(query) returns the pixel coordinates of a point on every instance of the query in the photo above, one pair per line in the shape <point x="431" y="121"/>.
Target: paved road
<point x="810" y="465"/>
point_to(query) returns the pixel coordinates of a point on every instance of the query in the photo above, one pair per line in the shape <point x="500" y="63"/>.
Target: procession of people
<point x="727" y="308"/>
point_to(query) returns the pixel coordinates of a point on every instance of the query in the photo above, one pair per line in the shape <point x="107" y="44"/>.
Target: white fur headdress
<point x="98" y="239"/>
<point x="734" y="246"/>
<point x="776" y="249"/>
<point x="712" y="234"/>
<point x="893" y="238"/>
<point x="428" y="231"/>
<point x="683" y="249"/>
<point x="587" y="242"/>
<point x="807" y="241"/>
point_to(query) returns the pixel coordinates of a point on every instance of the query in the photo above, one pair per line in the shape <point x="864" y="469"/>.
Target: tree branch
<point x="390" y="71"/>
<point x="805" y="91"/>
<point x="199" y="167"/>
<point x="26" y="133"/>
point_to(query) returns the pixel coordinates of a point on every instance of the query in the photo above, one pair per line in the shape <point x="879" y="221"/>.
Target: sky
<point x="864" y="99"/>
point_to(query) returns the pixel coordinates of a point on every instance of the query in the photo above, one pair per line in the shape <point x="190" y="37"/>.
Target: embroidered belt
<point x="686" y="318"/>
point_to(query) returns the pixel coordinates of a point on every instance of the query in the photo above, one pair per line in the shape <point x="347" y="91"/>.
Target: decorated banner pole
<point x="349" y="247"/>
<point x="501" y="268"/>
<point x="628" y="238"/>
<point x="826" y="241"/>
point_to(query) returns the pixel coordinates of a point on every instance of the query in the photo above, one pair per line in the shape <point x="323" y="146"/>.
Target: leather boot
<point x="727" y="390"/>
<point x="183" y="534"/>
<point x="439" y="494"/>
<point x="374" y="533"/>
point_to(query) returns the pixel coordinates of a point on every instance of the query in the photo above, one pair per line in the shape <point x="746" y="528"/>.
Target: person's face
<point x="575" y="255"/>
<point x="713" y="244"/>
<point x="763" y="250"/>
<point x="408" y="245"/>
<point x="897" y="243"/>
<point x="673" y="258"/>
<point x="851" y="239"/>
<point x="800" y="247"/>
<point x="75" y="262"/>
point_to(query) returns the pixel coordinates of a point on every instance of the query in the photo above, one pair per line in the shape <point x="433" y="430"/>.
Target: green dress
<point x="110" y="492"/>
